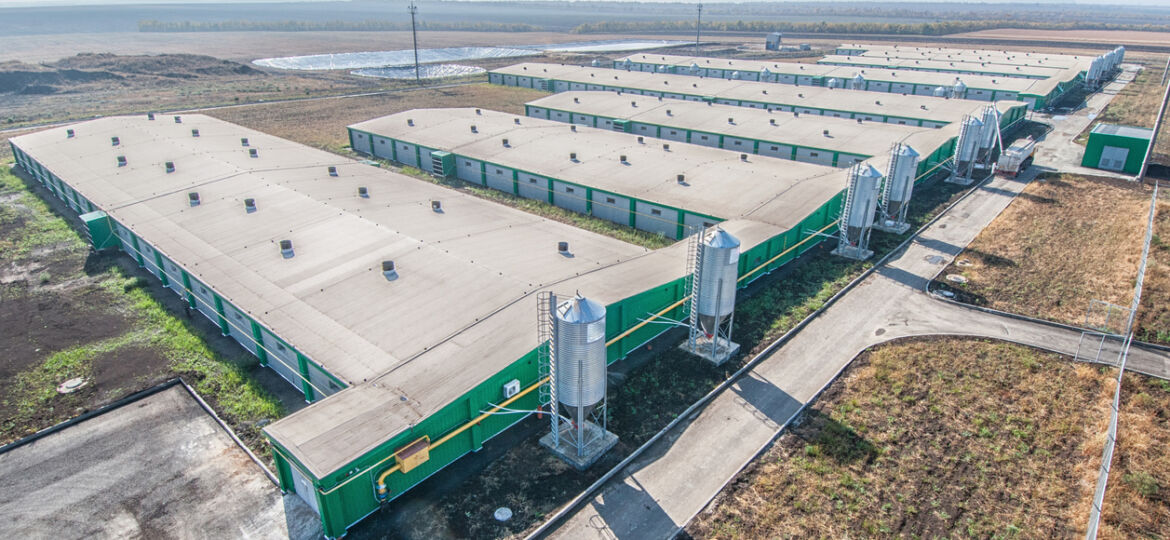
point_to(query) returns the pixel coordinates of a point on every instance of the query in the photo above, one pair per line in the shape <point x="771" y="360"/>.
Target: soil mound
<point x="70" y="74"/>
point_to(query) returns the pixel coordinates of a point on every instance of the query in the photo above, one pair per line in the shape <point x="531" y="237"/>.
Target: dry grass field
<point x="935" y="438"/>
<point x="1102" y="37"/>
<point x="1062" y="243"/>
<point x="1137" y="500"/>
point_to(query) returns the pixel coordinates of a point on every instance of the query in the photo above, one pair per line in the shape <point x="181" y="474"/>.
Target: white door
<point x="304" y="487"/>
<point x="1113" y="158"/>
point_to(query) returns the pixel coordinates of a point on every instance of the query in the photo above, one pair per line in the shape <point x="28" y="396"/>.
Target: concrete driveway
<point x="159" y="467"/>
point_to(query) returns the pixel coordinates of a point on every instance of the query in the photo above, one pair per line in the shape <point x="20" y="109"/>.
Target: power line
<point x="414" y="32"/>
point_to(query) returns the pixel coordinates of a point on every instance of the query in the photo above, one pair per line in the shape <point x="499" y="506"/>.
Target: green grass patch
<point x="28" y="221"/>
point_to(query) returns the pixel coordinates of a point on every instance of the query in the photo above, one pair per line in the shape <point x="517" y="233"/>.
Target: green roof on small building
<point x="1124" y="131"/>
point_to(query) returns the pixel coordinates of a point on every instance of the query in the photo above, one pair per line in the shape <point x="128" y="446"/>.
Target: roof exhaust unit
<point x="966" y="150"/>
<point x="69" y="134"/>
<point x="332" y="170"/>
<point x="897" y="189"/>
<point x="437" y="207"/>
<point x="714" y="262"/>
<point x="178" y="119"/>
<point x="252" y="152"/>
<point x="572" y="333"/>
<point x="150" y="116"/>
<point x="249" y="205"/>
<point x="563" y="248"/>
<point x="364" y="192"/>
<point x="243" y="141"/>
<point x="193" y="198"/>
<point x="121" y="161"/>
<point x="389" y="271"/>
<point x="195" y="132"/>
<point x="114" y="141"/>
<point x="857" y="213"/>
<point x="286" y="249"/>
<point x="170" y="166"/>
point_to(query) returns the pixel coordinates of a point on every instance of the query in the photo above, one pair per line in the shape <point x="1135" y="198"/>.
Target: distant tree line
<point x="928" y="29"/>
<point x="324" y="26"/>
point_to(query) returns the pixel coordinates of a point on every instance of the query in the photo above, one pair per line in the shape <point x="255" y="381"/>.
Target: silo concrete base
<point x="724" y="349"/>
<point x="852" y="252"/>
<point x="598" y="442"/>
<point x="962" y="181"/>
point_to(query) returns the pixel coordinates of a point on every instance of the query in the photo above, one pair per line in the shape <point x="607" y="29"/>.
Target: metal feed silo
<point x="714" y="264"/>
<point x="857" y="212"/>
<point x="579" y="345"/>
<point x="898" y="188"/>
<point x="966" y="150"/>
<point x="573" y="359"/>
<point x="857" y="82"/>
<point x="959" y="90"/>
<point x="940" y="92"/>
<point x="988" y="137"/>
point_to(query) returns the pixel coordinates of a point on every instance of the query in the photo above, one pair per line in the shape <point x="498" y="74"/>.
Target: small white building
<point x="772" y="42"/>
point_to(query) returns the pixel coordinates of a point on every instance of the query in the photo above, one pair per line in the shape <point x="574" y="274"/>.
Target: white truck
<point x="1017" y="157"/>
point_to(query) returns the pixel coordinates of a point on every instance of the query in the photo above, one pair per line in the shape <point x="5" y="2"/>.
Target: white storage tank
<point x="990" y="130"/>
<point x="579" y="354"/>
<point x="718" y="272"/>
<point x="959" y="90"/>
<point x="968" y="143"/>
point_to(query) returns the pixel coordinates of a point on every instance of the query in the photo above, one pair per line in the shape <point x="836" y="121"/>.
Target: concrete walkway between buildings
<point x="661" y="491"/>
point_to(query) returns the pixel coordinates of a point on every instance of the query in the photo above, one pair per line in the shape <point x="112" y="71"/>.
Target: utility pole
<point x="1141" y="177"/>
<point x="698" y="28"/>
<point x="1165" y="71"/>
<point x="414" y="31"/>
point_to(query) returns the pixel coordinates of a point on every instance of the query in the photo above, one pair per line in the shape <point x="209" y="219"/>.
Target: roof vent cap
<point x="286" y="249"/>
<point x="243" y="141"/>
<point x="115" y="141"/>
<point x="437" y="207"/>
<point x="576" y="100"/>
<point x="666" y="147"/>
<point x="563" y="248"/>
<point x="669" y="112"/>
<point x="825" y="133"/>
<point x="332" y="170"/>
<point x="410" y="122"/>
<point x="477" y="111"/>
<point x="622" y="158"/>
<point x="170" y="165"/>
<point x="363" y="192"/>
<point x="194" y="132"/>
<point x="641" y="140"/>
<point x="506" y="145"/>
<point x="249" y="205"/>
<point x="573" y="157"/>
<point x="772" y="121"/>
<point x="474" y="129"/>
<point x="389" y="271"/>
<point x="252" y="152"/>
<point x="573" y="128"/>
<point x="743" y="157"/>
<point x="178" y="119"/>
<point x="121" y="161"/>
<point x="193" y="198"/>
<point x="516" y="121"/>
<point x="69" y="134"/>
<point x="682" y="179"/>
<point x="150" y="116"/>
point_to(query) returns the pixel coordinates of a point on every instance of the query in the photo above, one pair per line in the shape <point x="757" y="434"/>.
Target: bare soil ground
<point x="1103" y="37"/>
<point x="66" y="312"/>
<point x="935" y="438"/>
<point x="1062" y="243"/>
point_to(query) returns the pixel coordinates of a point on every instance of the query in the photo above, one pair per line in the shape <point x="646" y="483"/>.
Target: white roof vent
<point x="286" y="249"/>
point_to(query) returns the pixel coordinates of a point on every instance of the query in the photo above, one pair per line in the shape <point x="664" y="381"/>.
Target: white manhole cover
<point x="503" y="513"/>
<point x="956" y="278"/>
<point x="71" y="385"/>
